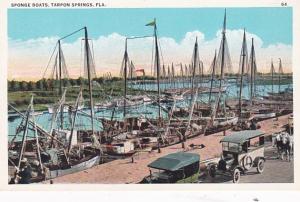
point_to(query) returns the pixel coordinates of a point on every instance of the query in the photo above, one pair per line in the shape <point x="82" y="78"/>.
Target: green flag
<point x="151" y="23"/>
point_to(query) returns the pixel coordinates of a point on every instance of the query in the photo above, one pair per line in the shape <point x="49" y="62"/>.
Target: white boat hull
<point x="264" y="116"/>
<point x="76" y="168"/>
<point x="65" y="110"/>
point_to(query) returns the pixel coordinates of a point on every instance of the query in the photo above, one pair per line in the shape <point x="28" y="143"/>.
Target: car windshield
<point x="161" y="177"/>
<point x="231" y="147"/>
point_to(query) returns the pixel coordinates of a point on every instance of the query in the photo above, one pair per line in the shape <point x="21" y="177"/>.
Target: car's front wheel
<point x="260" y="165"/>
<point x="236" y="175"/>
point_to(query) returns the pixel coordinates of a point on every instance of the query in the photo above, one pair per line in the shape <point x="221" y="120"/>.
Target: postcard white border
<point x="154" y="4"/>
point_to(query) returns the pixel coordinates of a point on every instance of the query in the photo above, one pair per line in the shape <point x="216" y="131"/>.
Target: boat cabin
<point x="120" y="147"/>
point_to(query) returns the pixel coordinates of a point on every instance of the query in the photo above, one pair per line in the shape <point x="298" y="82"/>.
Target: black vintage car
<point x="241" y="151"/>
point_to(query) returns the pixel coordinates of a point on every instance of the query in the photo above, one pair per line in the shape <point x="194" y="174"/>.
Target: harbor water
<point x="143" y="110"/>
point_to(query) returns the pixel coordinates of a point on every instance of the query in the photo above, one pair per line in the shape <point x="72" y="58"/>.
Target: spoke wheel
<point x="236" y="175"/>
<point x="247" y="162"/>
<point x="260" y="166"/>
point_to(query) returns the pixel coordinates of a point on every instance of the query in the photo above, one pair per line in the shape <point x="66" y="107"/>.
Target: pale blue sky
<point x="272" y="25"/>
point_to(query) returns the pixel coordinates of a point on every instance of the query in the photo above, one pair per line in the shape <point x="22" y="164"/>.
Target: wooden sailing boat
<point x="281" y="102"/>
<point x="140" y="131"/>
<point x="207" y="118"/>
<point x="220" y="118"/>
<point x="62" y="151"/>
<point x="238" y="103"/>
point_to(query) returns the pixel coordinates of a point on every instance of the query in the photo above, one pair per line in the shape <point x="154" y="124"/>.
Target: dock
<point x="123" y="171"/>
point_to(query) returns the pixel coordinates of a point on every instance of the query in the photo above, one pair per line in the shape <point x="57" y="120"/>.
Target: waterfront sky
<point x="33" y="33"/>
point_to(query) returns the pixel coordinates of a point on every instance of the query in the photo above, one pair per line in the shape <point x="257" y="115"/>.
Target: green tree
<point x="39" y="85"/>
<point x="10" y="85"/>
<point x="14" y="86"/>
<point x="73" y="82"/>
<point x="23" y="86"/>
<point x="80" y="81"/>
<point x="51" y="84"/>
<point x="31" y="86"/>
<point x="66" y="83"/>
<point x="45" y="84"/>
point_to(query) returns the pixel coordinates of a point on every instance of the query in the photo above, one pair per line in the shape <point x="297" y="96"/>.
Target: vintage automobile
<point x="180" y="167"/>
<point x="241" y="151"/>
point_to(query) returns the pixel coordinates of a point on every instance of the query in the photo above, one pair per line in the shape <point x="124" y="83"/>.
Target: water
<point x="232" y="88"/>
<point x="148" y="111"/>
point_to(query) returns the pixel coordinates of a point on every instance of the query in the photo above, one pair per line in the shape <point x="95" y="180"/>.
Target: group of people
<point x="284" y="143"/>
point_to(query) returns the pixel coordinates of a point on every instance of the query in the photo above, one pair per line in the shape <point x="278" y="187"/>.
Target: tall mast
<point x="212" y="76"/>
<point x="186" y="73"/>
<point x="125" y="77"/>
<point x="173" y="75"/>
<point x="222" y="59"/>
<point x="190" y="75"/>
<point x="60" y="84"/>
<point x="201" y="72"/>
<point x="164" y="76"/>
<point x="252" y="72"/>
<point x="181" y="74"/>
<point x="164" y="72"/>
<point x="74" y="119"/>
<point x="25" y="132"/>
<point x="36" y="135"/>
<point x="89" y="77"/>
<point x="194" y="67"/>
<point x="279" y="75"/>
<point x="169" y="76"/>
<point x="243" y="55"/>
<point x="157" y="63"/>
<point x="223" y="48"/>
<point x="131" y="70"/>
<point x="272" y="74"/>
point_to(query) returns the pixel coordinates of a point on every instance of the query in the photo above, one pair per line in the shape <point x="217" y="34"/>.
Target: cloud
<point x="28" y="59"/>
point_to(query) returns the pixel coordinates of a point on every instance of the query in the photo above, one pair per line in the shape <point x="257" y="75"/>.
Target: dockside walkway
<point x="123" y="171"/>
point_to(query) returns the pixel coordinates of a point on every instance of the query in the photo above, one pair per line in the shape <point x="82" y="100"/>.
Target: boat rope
<point x="50" y="60"/>
<point x="66" y="36"/>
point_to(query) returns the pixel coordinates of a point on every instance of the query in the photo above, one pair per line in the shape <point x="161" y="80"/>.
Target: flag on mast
<point x="151" y="23"/>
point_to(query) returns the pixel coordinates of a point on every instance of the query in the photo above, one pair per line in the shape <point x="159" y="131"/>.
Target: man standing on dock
<point x="24" y="174"/>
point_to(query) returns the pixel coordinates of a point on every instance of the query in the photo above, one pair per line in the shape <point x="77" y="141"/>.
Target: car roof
<point x="242" y="136"/>
<point x="175" y="161"/>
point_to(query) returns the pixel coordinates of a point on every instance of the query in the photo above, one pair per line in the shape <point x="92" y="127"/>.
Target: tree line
<point x="50" y="84"/>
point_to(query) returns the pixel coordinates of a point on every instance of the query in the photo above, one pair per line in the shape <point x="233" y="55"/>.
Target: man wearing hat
<point x="24" y="174"/>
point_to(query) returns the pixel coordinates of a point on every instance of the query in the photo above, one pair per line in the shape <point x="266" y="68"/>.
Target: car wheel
<point x="260" y="165"/>
<point x="236" y="175"/>
<point x="212" y="171"/>
<point x="247" y="162"/>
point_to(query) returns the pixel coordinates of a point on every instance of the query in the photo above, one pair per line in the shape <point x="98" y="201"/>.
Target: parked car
<point x="242" y="151"/>
<point x="178" y="167"/>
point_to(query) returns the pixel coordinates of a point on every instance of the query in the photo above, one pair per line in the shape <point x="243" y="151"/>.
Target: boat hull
<point x="76" y="168"/>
